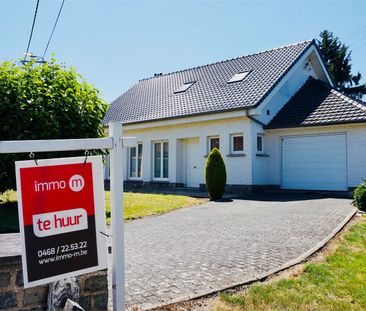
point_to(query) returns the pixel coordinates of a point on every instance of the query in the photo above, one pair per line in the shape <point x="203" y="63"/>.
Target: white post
<point x="117" y="215"/>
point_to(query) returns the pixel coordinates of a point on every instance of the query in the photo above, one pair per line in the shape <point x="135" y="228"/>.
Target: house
<point x="275" y="116"/>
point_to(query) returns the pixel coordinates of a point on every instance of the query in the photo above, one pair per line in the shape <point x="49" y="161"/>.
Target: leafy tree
<point x="338" y="59"/>
<point x="215" y="174"/>
<point x="48" y="101"/>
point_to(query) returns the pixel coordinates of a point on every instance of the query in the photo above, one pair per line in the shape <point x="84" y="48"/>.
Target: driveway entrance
<point x="202" y="249"/>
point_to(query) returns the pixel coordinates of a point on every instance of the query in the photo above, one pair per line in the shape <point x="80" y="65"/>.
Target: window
<point x="260" y="143"/>
<point x="213" y="142"/>
<point x="161" y="160"/>
<point x="237" y="143"/>
<point x="238" y="77"/>
<point x="184" y="87"/>
<point x="136" y="161"/>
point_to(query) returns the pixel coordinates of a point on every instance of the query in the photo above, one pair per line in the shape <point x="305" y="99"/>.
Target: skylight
<point x="238" y="77"/>
<point x="184" y="87"/>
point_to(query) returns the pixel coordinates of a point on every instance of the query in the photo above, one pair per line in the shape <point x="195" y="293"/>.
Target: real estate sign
<point x="61" y="218"/>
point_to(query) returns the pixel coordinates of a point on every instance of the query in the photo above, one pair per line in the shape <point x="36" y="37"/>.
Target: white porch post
<point x="117" y="215"/>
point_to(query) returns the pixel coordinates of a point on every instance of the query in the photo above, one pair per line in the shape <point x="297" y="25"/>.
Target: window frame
<point x="161" y="143"/>
<point x="137" y="158"/>
<point x="261" y="136"/>
<point x="209" y="142"/>
<point x="239" y="76"/>
<point x="184" y="87"/>
<point x="232" y="136"/>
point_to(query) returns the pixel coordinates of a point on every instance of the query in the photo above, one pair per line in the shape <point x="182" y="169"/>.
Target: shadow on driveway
<point x="290" y="196"/>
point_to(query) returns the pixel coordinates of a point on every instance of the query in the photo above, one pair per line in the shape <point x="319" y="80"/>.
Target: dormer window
<point x="184" y="87"/>
<point x="238" y="77"/>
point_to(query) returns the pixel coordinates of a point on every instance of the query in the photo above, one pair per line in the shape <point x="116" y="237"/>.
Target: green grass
<point x="339" y="283"/>
<point x="137" y="205"/>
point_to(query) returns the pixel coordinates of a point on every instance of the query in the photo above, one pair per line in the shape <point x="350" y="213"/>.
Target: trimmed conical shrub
<point x="215" y="174"/>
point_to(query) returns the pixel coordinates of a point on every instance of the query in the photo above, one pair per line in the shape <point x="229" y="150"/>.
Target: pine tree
<point x="338" y="60"/>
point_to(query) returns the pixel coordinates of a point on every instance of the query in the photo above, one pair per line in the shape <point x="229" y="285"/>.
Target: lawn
<point x="339" y="283"/>
<point x="137" y="205"/>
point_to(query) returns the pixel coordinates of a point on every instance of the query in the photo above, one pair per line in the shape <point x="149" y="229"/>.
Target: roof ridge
<point x="230" y="59"/>
<point x="356" y="102"/>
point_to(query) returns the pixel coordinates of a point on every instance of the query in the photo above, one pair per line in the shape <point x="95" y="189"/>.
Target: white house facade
<point x="274" y="115"/>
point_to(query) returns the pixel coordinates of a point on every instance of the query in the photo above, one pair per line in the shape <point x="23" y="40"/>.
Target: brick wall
<point x="13" y="296"/>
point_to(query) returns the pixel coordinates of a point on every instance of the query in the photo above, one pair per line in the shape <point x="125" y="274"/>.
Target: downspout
<point x="263" y="125"/>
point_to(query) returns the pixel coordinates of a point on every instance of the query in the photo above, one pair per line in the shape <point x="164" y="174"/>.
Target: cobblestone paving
<point x="194" y="251"/>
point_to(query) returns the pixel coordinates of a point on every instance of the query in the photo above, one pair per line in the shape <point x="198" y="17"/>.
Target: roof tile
<point x="154" y="98"/>
<point x="316" y="103"/>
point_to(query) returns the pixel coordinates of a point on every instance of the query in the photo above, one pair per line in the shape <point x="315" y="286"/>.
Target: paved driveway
<point x="198" y="250"/>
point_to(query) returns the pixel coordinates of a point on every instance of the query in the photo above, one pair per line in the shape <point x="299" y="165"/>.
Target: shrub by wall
<point x="359" y="196"/>
<point x="215" y="174"/>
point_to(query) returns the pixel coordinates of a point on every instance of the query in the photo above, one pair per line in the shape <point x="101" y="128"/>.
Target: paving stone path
<point x="198" y="250"/>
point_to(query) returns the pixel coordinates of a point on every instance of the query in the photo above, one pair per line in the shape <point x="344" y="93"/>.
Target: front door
<point x="194" y="171"/>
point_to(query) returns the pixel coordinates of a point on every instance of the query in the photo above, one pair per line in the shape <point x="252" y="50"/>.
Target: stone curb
<point x="260" y="277"/>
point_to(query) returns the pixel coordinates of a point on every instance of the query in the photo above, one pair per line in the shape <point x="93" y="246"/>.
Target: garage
<point x="315" y="162"/>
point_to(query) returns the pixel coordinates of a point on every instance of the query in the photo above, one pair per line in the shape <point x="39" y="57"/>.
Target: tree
<point x="215" y="174"/>
<point x="338" y="60"/>
<point x="48" y="101"/>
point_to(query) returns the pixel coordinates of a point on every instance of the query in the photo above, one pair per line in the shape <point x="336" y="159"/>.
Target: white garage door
<point x="314" y="162"/>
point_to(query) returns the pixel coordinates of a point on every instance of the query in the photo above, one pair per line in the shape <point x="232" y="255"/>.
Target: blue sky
<point x="113" y="44"/>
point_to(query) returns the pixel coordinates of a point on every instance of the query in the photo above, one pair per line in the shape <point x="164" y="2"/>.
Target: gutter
<point x="105" y="124"/>
<point x="254" y="119"/>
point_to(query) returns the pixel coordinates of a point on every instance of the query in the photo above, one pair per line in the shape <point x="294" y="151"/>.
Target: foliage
<point x="359" y="196"/>
<point x="8" y="196"/>
<point x="139" y="205"/>
<point x="338" y="283"/>
<point x="48" y="101"/>
<point x="215" y="174"/>
<point x="338" y="59"/>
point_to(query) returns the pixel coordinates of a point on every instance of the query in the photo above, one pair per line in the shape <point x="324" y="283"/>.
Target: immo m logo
<point x="76" y="184"/>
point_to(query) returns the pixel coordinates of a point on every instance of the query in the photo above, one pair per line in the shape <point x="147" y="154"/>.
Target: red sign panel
<point x="61" y="215"/>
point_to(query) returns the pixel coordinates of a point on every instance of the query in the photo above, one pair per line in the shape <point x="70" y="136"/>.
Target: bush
<point x="359" y="196"/>
<point x="215" y="174"/>
<point x="48" y="101"/>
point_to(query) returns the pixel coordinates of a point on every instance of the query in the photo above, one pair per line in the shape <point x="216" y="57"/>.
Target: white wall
<point x="250" y="169"/>
<point x="260" y="162"/>
<point x="356" y="150"/>
<point x="238" y="168"/>
<point x="356" y="155"/>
